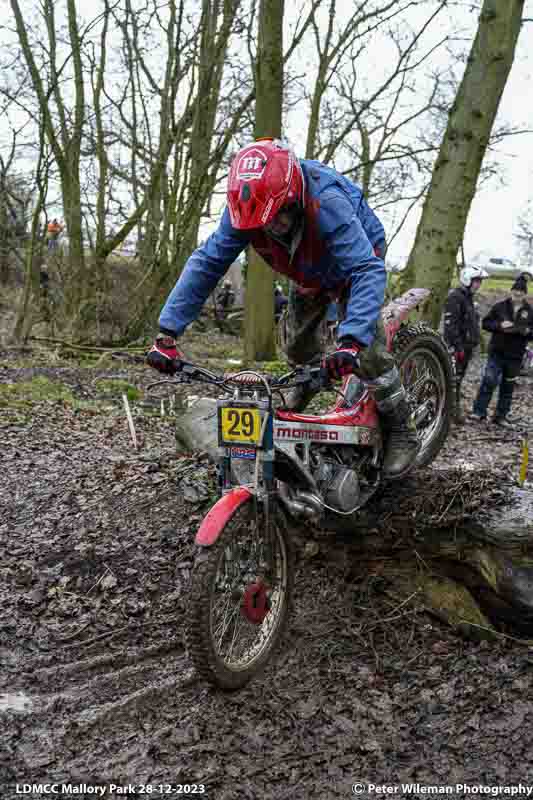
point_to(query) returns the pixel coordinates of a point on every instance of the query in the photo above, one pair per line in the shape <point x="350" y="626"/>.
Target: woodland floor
<point x="96" y="546"/>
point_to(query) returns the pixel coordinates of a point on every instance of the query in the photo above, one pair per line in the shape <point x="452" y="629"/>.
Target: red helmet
<point x="264" y="177"/>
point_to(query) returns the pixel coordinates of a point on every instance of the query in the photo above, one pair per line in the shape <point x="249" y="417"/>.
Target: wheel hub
<point x="255" y="602"/>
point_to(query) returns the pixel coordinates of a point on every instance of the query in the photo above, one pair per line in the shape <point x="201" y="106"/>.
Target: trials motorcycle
<point x="315" y="469"/>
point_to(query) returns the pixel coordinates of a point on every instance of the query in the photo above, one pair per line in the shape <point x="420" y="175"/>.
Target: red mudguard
<point x="223" y="510"/>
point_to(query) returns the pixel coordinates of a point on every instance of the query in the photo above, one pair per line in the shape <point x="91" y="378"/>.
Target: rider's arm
<point x="351" y="250"/>
<point x="201" y="273"/>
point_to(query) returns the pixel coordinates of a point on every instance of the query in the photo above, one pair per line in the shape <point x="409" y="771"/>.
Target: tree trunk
<point x="259" y="342"/>
<point x="471" y="567"/>
<point x="440" y="231"/>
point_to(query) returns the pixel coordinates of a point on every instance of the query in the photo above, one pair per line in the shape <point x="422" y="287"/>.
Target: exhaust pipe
<point x="304" y="506"/>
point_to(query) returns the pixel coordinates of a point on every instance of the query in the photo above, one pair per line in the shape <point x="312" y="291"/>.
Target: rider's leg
<point x="305" y="314"/>
<point x="379" y="368"/>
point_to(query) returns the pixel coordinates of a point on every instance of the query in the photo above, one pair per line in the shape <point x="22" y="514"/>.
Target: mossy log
<point x="460" y="543"/>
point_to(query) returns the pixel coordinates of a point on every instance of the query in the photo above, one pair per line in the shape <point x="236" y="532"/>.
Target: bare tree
<point x="64" y="130"/>
<point x="15" y="203"/>
<point x="142" y="153"/>
<point x="455" y="175"/>
<point x="200" y="139"/>
<point x="30" y="304"/>
<point x="370" y="124"/>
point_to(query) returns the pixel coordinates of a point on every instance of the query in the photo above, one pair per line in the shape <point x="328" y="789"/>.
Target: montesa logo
<point x="304" y="433"/>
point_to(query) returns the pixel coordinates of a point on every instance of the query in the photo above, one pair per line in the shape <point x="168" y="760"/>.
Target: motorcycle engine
<point x="338" y="484"/>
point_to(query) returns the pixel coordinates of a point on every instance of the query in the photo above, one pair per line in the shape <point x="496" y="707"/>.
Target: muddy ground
<point x="96" y="687"/>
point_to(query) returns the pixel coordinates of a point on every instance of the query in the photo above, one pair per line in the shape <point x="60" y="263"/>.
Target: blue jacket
<point x="336" y="251"/>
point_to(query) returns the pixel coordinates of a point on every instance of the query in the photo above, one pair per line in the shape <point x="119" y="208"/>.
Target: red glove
<point x="460" y="356"/>
<point x="164" y="356"/>
<point x="344" y="361"/>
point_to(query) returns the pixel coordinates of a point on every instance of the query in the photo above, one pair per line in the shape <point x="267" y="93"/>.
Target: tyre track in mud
<point x="96" y="684"/>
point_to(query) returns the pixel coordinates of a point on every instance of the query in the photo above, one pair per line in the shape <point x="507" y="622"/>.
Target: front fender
<point x="214" y="521"/>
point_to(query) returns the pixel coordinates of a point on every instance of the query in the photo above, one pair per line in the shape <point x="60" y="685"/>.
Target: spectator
<point x="461" y="326"/>
<point x="280" y="302"/>
<point x="224" y="298"/>
<point x="511" y="324"/>
<point x="53" y="232"/>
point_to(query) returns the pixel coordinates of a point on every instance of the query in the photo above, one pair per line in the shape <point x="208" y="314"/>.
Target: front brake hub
<point x="255" y="602"/>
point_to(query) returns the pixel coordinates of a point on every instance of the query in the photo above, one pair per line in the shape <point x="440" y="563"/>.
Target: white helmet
<point x="469" y="273"/>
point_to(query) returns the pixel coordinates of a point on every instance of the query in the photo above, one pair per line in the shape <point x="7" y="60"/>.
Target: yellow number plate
<point x="241" y="425"/>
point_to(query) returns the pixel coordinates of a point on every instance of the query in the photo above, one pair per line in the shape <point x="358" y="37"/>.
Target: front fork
<point x="263" y="489"/>
<point x="269" y="494"/>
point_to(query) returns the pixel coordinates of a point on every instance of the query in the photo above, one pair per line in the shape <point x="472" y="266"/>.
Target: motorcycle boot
<point x="298" y="398"/>
<point x="401" y="439"/>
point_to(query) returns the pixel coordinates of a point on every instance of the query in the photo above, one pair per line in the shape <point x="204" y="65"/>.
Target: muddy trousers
<point x="304" y="326"/>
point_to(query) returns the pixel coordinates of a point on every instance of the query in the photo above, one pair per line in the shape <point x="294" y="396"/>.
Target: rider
<point x="461" y="326"/>
<point x="312" y="224"/>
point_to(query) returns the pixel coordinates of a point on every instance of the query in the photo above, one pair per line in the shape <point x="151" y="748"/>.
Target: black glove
<point x="344" y="361"/>
<point x="164" y="356"/>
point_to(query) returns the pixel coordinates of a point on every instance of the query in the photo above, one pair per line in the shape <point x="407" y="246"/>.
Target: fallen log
<point x="459" y="542"/>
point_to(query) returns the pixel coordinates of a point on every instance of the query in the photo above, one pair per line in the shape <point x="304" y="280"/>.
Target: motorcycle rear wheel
<point x="229" y="587"/>
<point x="428" y="376"/>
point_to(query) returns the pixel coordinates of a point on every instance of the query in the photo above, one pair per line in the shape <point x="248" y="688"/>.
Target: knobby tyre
<point x="428" y="376"/>
<point x="230" y="586"/>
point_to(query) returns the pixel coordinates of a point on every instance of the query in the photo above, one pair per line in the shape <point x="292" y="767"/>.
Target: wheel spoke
<point x="228" y="620"/>
<point x="237" y="640"/>
<point x="224" y="615"/>
<point x="424" y="383"/>
<point x="226" y="640"/>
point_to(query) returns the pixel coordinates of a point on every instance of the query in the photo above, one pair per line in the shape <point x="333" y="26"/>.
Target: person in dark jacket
<point x="280" y="302"/>
<point x="511" y="324"/>
<point x="461" y="326"/>
<point x="312" y="224"/>
<point x="225" y="298"/>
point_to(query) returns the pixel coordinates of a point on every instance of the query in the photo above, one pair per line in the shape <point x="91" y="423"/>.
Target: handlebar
<point x="187" y="372"/>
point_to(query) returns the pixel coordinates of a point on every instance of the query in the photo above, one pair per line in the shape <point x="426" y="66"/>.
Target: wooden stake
<point x="130" y="421"/>
<point x="524" y="461"/>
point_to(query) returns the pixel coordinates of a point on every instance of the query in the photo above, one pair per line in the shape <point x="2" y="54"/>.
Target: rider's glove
<point x="164" y="356"/>
<point x="459" y="356"/>
<point x="344" y="361"/>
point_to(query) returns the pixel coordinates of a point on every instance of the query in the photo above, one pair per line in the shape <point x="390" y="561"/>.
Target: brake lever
<point x="314" y="377"/>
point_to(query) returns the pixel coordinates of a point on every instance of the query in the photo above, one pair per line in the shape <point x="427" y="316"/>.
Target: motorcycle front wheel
<point x="427" y="373"/>
<point x="240" y="598"/>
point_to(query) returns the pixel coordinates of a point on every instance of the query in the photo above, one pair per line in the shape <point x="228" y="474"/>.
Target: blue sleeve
<point x="200" y="275"/>
<point x="372" y="225"/>
<point x="353" y="254"/>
